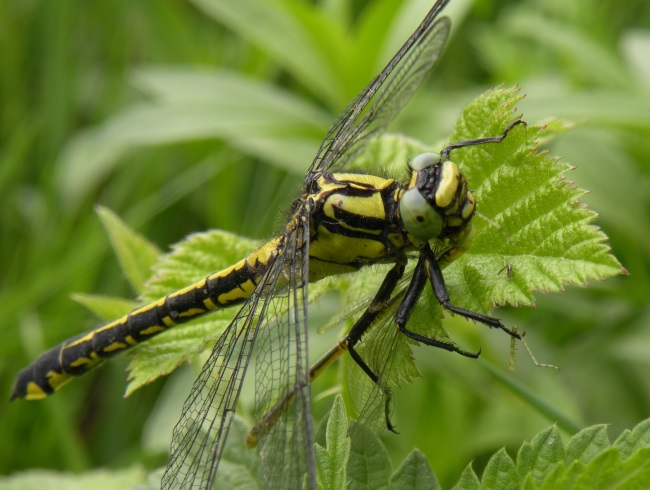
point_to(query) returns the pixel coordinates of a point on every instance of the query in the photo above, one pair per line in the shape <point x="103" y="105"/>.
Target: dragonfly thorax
<point x="437" y="202"/>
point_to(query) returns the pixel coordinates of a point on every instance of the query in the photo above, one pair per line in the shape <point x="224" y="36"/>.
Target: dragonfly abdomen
<point x="78" y="355"/>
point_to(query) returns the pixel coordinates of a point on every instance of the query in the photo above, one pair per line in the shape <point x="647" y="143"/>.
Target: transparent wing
<point x="286" y="448"/>
<point x="379" y="349"/>
<point x="273" y="325"/>
<point x="368" y="115"/>
<point x="389" y="355"/>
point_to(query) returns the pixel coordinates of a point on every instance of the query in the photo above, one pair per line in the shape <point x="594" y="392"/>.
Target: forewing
<point x="282" y="373"/>
<point x="368" y="115"/>
<point x="200" y="435"/>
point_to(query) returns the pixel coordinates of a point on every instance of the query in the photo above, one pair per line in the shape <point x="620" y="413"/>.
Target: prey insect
<point x="342" y="222"/>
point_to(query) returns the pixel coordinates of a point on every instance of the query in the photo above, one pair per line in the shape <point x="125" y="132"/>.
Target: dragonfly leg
<point x="405" y="309"/>
<point x="440" y="290"/>
<point x="377" y="306"/>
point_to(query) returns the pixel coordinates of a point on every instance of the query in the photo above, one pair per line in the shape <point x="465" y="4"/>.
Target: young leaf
<point x="589" y="461"/>
<point x="537" y="458"/>
<point x="136" y="254"/>
<point x="332" y="460"/>
<point x="468" y="480"/>
<point x="500" y="473"/>
<point x="528" y="218"/>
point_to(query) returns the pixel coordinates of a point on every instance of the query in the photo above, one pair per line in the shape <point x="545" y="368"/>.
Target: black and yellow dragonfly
<point x="341" y="222"/>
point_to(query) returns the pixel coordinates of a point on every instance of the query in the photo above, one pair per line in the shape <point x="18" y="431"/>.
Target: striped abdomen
<point x="75" y="356"/>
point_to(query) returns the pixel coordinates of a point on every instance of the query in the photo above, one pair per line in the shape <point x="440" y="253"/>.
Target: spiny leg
<point x="440" y="290"/>
<point x="407" y="305"/>
<point x="379" y="303"/>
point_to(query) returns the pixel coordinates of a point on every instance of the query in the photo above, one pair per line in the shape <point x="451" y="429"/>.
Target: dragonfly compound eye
<point x="420" y="219"/>
<point x="424" y="160"/>
<point x="437" y="202"/>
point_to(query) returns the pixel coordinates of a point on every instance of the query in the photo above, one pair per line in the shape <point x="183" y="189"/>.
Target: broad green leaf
<point x="414" y="473"/>
<point x="190" y="261"/>
<point x="528" y="218"/>
<point x="589" y="461"/>
<point x="136" y="254"/>
<point x="332" y="460"/>
<point x="528" y="215"/>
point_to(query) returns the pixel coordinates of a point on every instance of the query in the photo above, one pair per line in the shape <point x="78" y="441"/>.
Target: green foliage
<point x="587" y="460"/>
<point x="355" y="458"/>
<point x="120" y="103"/>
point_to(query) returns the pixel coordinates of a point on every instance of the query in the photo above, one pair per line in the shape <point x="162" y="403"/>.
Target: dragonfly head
<point x="437" y="202"/>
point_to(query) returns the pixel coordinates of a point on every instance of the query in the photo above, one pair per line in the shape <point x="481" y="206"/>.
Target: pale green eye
<point x="419" y="218"/>
<point x="424" y="160"/>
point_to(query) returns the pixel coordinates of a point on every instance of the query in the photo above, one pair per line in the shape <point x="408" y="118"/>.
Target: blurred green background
<point x="184" y="116"/>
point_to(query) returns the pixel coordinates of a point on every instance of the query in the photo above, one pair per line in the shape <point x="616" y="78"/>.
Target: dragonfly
<point x="342" y="222"/>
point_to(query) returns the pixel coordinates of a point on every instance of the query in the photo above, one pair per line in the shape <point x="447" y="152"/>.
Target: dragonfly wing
<point x="200" y="435"/>
<point x="282" y="368"/>
<point x="368" y="115"/>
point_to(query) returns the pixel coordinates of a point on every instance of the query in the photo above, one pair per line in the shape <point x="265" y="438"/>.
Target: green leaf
<point x="106" y="308"/>
<point x="589" y="461"/>
<point x="136" y="254"/>
<point x="541" y="455"/>
<point x="528" y="215"/>
<point x="190" y="261"/>
<point x="332" y="460"/>
<point x="637" y="438"/>
<point x="468" y="480"/>
<point x="602" y="471"/>
<point x="188" y="105"/>
<point x="414" y="473"/>
<point x="500" y="473"/>
<point x="635" y="473"/>
<point x="586" y="444"/>
<point x="369" y="466"/>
